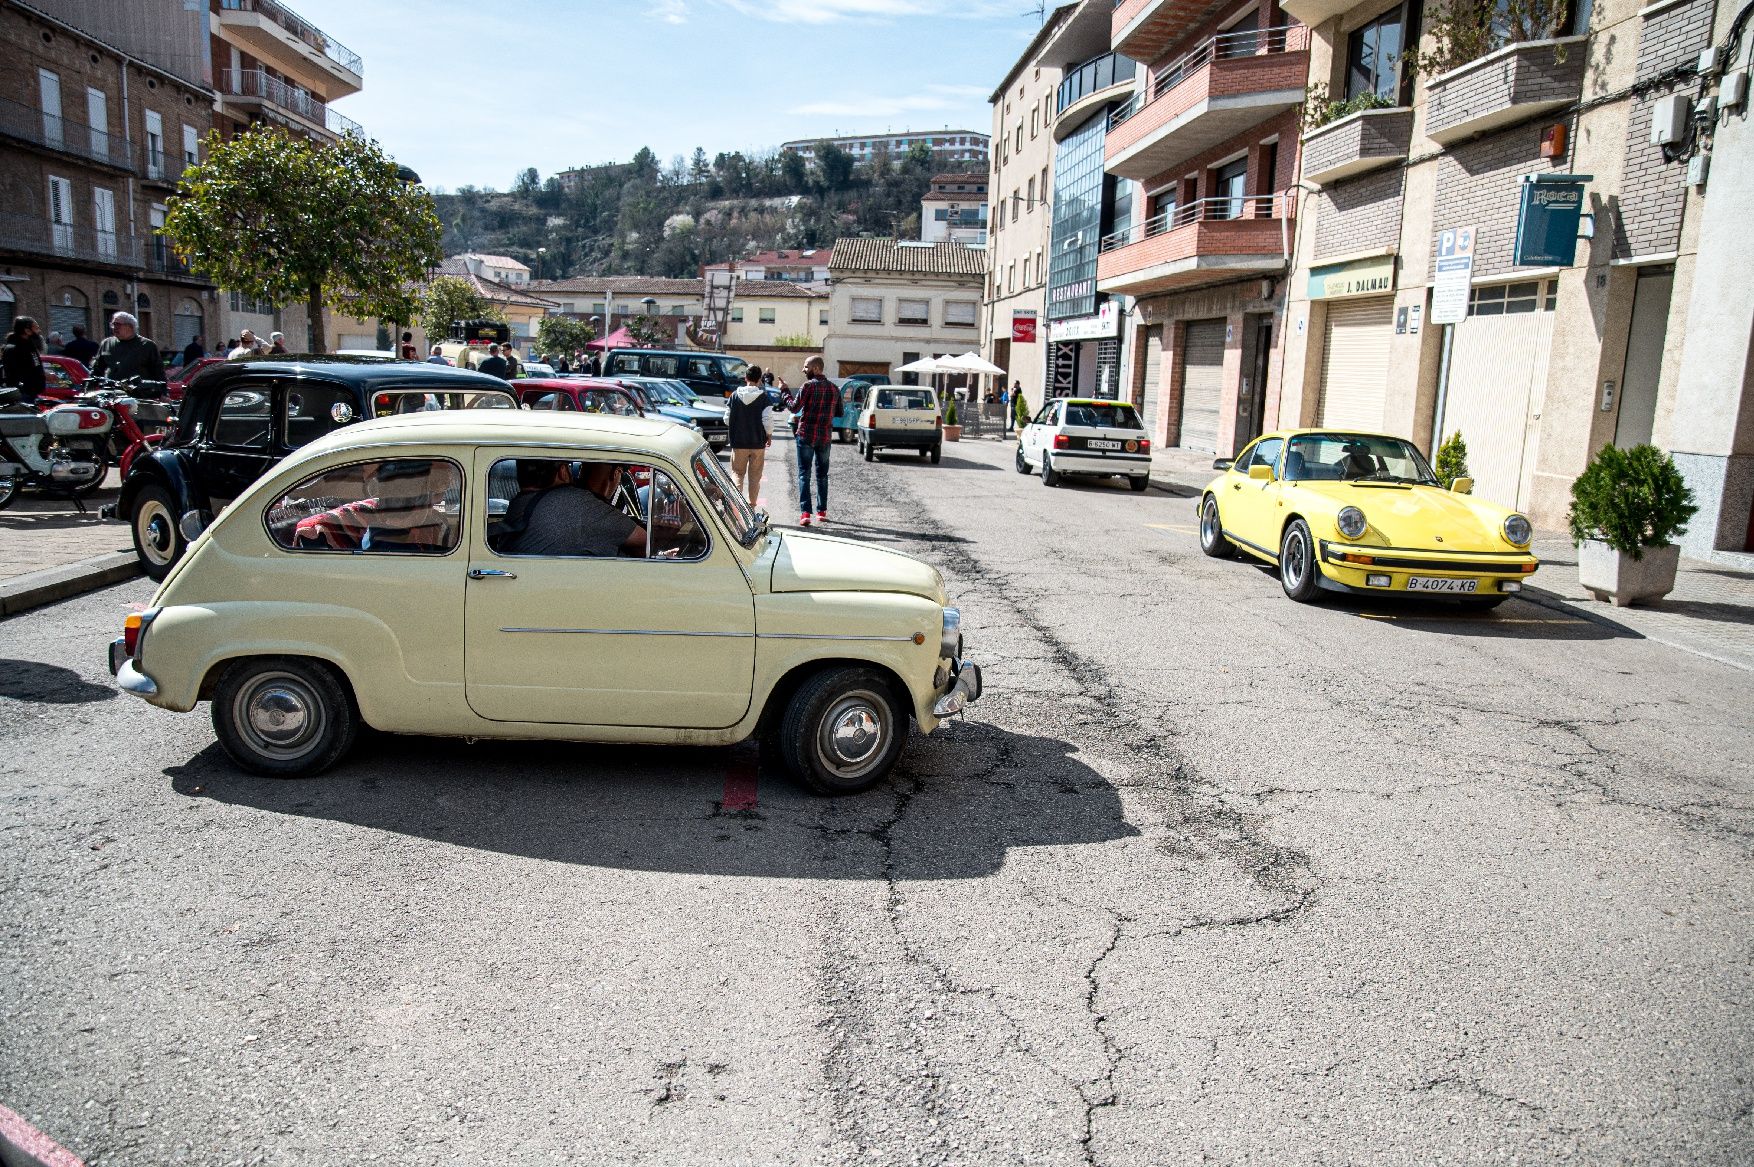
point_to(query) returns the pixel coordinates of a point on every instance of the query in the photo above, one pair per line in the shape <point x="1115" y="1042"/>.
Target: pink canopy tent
<point x="620" y="338"/>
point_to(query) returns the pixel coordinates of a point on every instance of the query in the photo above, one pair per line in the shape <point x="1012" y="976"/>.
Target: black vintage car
<point x="240" y="418"/>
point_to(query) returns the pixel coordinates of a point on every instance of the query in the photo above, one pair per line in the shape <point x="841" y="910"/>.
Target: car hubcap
<point x="1291" y="562"/>
<point x="854" y="734"/>
<point x="157" y="534"/>
<point x="1209" y="523"/>
<point x="280" y="715"/>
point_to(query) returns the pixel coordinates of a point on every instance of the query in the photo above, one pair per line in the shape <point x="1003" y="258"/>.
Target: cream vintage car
<point x="535" y="575"/>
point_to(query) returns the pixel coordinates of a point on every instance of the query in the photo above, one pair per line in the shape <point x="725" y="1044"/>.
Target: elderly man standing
<point x="125" y="353"/>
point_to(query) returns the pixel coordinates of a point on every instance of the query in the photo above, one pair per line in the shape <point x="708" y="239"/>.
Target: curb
<point x="24" y="592"/>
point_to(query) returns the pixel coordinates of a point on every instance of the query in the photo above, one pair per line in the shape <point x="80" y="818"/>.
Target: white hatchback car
<point x="1079" y="435"/>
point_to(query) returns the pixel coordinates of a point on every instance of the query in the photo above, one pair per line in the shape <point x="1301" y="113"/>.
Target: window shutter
<point x="191" y="146"/>
<point x="97" y="112"/>
<point x="959" y="312"/>
<point x="49" y="90"/>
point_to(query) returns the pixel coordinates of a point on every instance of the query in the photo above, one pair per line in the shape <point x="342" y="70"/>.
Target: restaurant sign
<point x="1362" y="277"/>
<point x="1106" y="323"/>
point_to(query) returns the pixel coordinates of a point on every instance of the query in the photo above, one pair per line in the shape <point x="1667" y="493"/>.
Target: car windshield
<point x="726" y="499"/>
<point x="734" y="370"/>
<point x="1114" y="417"/>
<point x="905" y="399"/>
<point x="681" y="389"/>
<point x="661" y="392"/>
<point x="1355" y="458"/>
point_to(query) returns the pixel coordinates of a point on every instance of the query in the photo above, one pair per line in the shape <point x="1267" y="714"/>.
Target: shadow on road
<point x="870" y="534"/>
<point x="1513" y="620"/>
<point x="40" y="684"/>
<point x="969" y="799"/>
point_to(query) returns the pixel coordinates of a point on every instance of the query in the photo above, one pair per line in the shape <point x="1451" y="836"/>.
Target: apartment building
<point x="1206" y="149"/>
<point x="954" y="209"/>
<point x="948" y="147"/>
<point x="1426" y="302"/>
<point x="777" y="323"/>
<point x="895" y="301"/>
<point x="94" y="141"/>
<point x="804" y="266"/>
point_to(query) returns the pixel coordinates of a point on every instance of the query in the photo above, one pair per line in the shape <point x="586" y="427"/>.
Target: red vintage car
<point x="62" y="377"/>
<point x="576" y="395"/>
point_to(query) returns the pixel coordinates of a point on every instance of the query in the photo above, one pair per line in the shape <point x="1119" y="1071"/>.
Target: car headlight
<point x="950" y="639"/>
<point x="1351" y="522"/>
<point x="1518" y="531"/>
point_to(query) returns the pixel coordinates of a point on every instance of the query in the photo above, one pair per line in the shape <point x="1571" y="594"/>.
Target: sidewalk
<point x="49" y="551"/>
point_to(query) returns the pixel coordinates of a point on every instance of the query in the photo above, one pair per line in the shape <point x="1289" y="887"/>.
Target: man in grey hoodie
<point x="751" y="432"/>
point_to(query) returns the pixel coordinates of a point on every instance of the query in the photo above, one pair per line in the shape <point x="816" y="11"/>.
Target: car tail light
<point x="1144" y="445"/>
<point x="134" y="627"/>
<point x="1062" y="442"/>
<point x="938" y="422"/>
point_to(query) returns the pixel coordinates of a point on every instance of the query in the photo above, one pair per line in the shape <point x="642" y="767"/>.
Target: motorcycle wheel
<point x="8" y="492"/>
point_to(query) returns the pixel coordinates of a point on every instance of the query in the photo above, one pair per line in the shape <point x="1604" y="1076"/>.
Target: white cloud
<point x="671" y="11"/>
<point x="927" y="98"/>
<point x="836" y="11"/>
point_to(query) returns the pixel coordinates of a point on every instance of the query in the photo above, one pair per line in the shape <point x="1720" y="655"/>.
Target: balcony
<point x="1226" y="85"/>
<point x="1143" y="29"/>
<point x="1203" y="242"/>
<point x="1361" y="142"/>
<point x="255" y="89"/>
<point x="28" y="123"/>
<point x="1088" y="86"/>
<point x="1514" y="84"/>
<point x="283" y="39"/>
<point x="35" y="235"/>
<point x="1313" y="12"/>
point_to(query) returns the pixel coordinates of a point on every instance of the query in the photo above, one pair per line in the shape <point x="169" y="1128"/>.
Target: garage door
<point x="1355" y="363"/>
<point x="1153" y="371"/>
<point x="1202" y="383"/>
<point x="1496" y="386"/>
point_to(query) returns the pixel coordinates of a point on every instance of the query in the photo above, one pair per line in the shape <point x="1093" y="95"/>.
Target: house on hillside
<point x="522" y="308"/>
<point x="807" y="266"/>
<point x="954" y="208"/>
<point x="895" y="301"/>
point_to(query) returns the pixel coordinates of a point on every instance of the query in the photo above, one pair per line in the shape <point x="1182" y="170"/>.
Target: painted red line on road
<point x="740" y="780"/>
<point x="18" y="1135"/>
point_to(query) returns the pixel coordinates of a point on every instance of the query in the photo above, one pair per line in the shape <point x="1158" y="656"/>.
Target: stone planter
<point x="953" y="433"/>
<point x="1360" y="142"/>
<point x="1612" y="575"/>
<point x="1514" y="84"/>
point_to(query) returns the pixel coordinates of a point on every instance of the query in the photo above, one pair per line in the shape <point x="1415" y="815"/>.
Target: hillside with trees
<point x="640" y="218"/>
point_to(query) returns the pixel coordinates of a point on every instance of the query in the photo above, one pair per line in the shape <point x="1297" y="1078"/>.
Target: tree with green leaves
<point x="283" y="218"/>
<point x="648" y="331"/>
<point x="448" y="298"/>
<point x="836" y="166"/>
<point x="1452" y="461"/>
<point x="563" y="336"/>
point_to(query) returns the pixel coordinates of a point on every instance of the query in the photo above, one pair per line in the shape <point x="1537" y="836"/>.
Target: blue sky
<point x="473" y="92"/>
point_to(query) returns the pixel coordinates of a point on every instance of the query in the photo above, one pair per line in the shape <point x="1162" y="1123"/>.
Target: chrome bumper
<point x="964" y="690"/>
<point x="128" y="678"/>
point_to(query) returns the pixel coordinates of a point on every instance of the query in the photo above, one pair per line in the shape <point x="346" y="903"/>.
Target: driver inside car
<point x="555" y="515"/>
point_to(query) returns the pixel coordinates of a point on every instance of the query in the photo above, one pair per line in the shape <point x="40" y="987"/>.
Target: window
<point x="244" y="419"/>
<point x="910" y="378"/>
<point x="61" y="212"/>
<point x="97" y="113"/>
<point x="909" y="311"/>
<point x="567" y="509"/>
<point x="1266" y="454"/>
<point x="103" y="219"/>
<point x="154" y="144"/>
<point x="999" y="216"/>
<point x="49" y="90"/>
<point x="314" y="409"/>
<point x="737" y="315"/>
<point x="701" y="369"/>
<point x="557" y="402"/>
<point x="1034" y="121"/>
<point x="1032" y="192"/>
<point x="1508" y="299"/>
<point x="1016" y="203"/>
<point x="191" y="146"/>
<point x="1011" y="277"/>
<point x="1044" y="184"/>
<point x="766" y="315"/>
<point x="410" y="506"/>
<point x="941" y="215"/>
<point x="1373" y="58"/>
<point x="960" y="313"/>
<point x="626" y="364"/>
<point x="1026" y="271"/>
<point x="867" y="310"/>
<point x="724" y="499"/>
<point x="822" y="317"/>
<point x="662" y="366"/>
<point x="678" y="310"/>
<point x="1229" y="183"/>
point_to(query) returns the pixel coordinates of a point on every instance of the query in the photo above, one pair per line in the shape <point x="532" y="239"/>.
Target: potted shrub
<point x="1626" y="508"/>
<point x="952" y="419"/>
<point x="1452" y="461"/>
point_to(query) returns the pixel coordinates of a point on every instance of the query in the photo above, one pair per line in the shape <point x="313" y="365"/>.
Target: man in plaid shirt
<point x="816" y="404"/>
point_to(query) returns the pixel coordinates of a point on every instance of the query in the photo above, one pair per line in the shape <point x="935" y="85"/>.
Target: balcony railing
<point x="1229" y="208"/>
<point x="1226" y="46"/>
<point x="59" y="132"/>
<point x="38" y="236"/>
<point x="1093" y="76"/>
<point x="339" y="125"/>
<point x="263" y="86"/>
<point x="305" y="31"/>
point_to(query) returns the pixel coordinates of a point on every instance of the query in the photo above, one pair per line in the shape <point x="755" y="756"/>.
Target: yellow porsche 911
<point x="1362" y="513"/>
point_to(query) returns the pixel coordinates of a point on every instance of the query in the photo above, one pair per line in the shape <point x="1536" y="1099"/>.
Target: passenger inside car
<point x="563" y="508"/>
<point x="406" y="505"/>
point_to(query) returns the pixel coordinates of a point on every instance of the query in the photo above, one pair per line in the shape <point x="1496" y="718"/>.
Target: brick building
<point x="94" y="142"/>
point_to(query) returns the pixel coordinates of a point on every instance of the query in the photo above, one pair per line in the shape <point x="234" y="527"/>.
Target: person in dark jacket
<point x="751" y="432"/>
<point x="494" y="365"/>
<point x="21" y="359"/>
<point x="81" y="348"/>
<point x="192" y="352"/>
<point x="125" y="353"/>
<point x="816" y="404"/>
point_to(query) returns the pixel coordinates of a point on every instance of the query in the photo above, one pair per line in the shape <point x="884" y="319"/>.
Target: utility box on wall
<point x="1668" y="119"/>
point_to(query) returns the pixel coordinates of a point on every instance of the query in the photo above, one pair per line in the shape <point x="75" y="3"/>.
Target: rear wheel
<point x="1139" y="483"/>
<point x="8" y="491"/>
<point x="842" y="731"/>
<point x="283" y="716"/>
<point x="157" y="541"/>
<point x="870" y="452"/>
<point x="1298" y="573"/>
<point x="937" y="454"/>
<point x="1049" y="476"/>
<point x="1212" y="540"/>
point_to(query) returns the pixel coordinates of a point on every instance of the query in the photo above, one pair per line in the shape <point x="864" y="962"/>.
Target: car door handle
<point x="490" y="573"/>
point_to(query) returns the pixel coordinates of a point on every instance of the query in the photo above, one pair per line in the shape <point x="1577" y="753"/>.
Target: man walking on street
<point x="494" y="365"/>
<point x="815" y="404"/>
<point x="751" y="432"/>
<point x="81" y="348"/>
<point x="125" y="353"/>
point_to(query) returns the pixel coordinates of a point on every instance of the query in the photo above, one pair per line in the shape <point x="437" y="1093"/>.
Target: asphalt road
<point x="1208" y="875"/>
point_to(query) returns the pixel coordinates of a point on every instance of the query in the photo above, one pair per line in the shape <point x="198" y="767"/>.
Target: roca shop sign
<point x="1362" y="277"/>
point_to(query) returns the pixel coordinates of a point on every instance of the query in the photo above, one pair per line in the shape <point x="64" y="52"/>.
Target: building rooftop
<point x="776" y="290"/>
<point x="623" y="286"/>
<point x="496" y="260"/>
<point x="980" y="177"/>
<point x="908" y="258"/>
<point x="490" y="289"/>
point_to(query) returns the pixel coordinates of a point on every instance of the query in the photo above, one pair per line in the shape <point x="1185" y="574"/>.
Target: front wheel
<point x="1139" y="483"/>
<point x="157" y="541"/>
<point x="283" y="717"/>
<point x="1298" y="573"/>
<point x="1212" y="540"/>
<point x="8" y="491"/>
<point x="842" y="731"/>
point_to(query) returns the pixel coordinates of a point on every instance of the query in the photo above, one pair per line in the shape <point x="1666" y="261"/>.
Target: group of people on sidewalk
<point x="124" y="353"/>
<point x="752" y="416"/>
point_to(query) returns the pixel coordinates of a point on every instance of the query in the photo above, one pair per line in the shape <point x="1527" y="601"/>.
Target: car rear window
<point x="1114" y="417"/>
<point x="905" y="399"/>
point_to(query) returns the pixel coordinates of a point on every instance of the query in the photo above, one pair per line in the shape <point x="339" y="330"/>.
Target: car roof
<point x="1332" y="429"/>
<point x="1095" y="401"/>
<point x="367" y="374"/>
<point x="493" y="427"/>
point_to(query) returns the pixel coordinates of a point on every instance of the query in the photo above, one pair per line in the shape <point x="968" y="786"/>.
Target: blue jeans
<point x="809" y="455"/>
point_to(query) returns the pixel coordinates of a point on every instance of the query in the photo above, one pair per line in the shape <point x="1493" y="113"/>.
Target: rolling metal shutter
<point x="1497" y="384"/>
<point x="1355" y="364"/>
<point x="1202" y="383"/>
<point x="1153" y="371"/>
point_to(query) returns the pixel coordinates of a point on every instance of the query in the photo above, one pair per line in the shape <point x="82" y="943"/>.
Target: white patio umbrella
<point x="971" y="362"/>
<point x="923" y="365"/>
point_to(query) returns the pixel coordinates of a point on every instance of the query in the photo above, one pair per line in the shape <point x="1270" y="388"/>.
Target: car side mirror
<point x="1261" y="473"/>
<point x="1223" y="463"/>
<point x="1462" y="486"/>
<point x="497" y="507"/>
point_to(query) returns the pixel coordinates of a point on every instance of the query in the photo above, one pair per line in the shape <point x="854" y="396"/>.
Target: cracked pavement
<point x="1206" y="876"/>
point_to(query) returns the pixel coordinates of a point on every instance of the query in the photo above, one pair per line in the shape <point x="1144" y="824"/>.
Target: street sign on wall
<point x="1547" y="220"/>
<point x="1023" y="326"/>
<point x="1363" y="277"/>
<point x="1455" y="271"/>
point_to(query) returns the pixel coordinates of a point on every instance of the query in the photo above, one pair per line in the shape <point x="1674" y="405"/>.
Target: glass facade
<point x="1077" y="228"/>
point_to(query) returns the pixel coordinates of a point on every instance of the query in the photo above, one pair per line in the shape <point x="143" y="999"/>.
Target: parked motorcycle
<point x="60" y="451"/>
<point x="143" y="417"/>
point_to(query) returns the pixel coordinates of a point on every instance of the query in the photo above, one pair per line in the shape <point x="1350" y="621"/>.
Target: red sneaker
<point x="822" y="516"/>
<point x="804" y="519"/>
